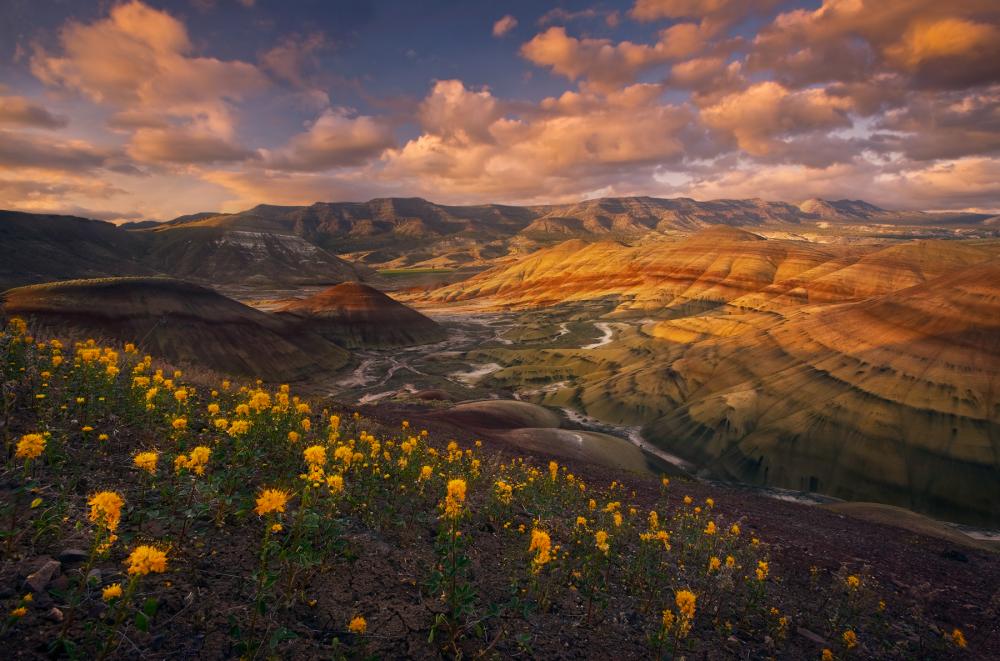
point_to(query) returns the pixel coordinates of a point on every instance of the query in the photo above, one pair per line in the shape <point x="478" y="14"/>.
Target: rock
<point x="60" y="582"/>
<point x="38" y="581"/>
<point x="94" y="577"/>
<point x="72" y="555"/>
<point x="814" y="637"/>
<point x="54" y="614"/>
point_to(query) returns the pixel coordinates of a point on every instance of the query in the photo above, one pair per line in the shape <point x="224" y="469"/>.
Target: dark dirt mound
<point x="179" y="321"/>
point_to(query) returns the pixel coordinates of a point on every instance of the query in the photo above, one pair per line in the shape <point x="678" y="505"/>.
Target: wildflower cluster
<point x="512" y="541"/>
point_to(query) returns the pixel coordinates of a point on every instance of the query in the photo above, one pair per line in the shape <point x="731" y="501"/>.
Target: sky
<point x="149" y="110"/>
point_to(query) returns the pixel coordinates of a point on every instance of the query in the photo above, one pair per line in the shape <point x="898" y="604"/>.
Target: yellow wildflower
<point x="601" y="541"/>
<point x="179" y="424"/>
<point x="335" y="483"/>
<point x="315" y="455"/>
<point x="850" y="639"/>
<point x="146" y="559"/>
<point x="541" y="546"/>
<point x="271" y="500"/>
<point x="146" y="461"/>
<point x="106" y="508"/>
<point x="710" y="528"/>
<point x="455" y="498"/>
<point x="553" y="470"/>
<point x="293" y="437"/>
<point x="762" y="570"/>
<point x="958" y="638"/>
<point x="113" y="591"/>
<point x="358" y="625"/>
<point x="714" y="564"/>
<point x="20" y="611"/>
<point x="827" y="655"/>
<point x="853" y="582"/>
<point x="504" y="492"/>
<point x="426" y="472"/>
<point x="30" y="446"/>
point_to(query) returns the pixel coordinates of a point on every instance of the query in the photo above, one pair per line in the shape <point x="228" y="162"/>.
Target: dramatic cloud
<point x="504" y="25"/>
<point x="165" y="112"/>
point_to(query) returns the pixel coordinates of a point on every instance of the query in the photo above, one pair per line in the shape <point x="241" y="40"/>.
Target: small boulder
<point x="38" y="581"/>
<point x="70" y="556"/>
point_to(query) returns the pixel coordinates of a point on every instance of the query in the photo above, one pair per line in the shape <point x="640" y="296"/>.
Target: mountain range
<point x="327" y="243"/>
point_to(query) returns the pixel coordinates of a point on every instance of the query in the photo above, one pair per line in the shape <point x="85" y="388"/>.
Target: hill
<point x="358" y="316"/>
<point x="179" y="321"/>
<point x="41" y="248"/>
<point x="152" y="516"/>
<point x="863" y="372"/>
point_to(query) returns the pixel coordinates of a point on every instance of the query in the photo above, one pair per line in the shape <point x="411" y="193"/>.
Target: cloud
<point x="184" y="145"/>
<point x="714" y="14"/>
<point x="295" y="60"/>
<point x="606" y="64"/>
<point x="140" y="58"/>
<point x="254" y="186"/>
<point x="935" y="44"/>
<point x="453" y="111"/>
<point x="336" y="139"/>
<point x="19" y="111"/>
<point x="759" y="116"/>
<point x="504" y="25"/>
<point x="32" y="150"/>
<point x="942" y="125"/>
<point x="565" y="146"/>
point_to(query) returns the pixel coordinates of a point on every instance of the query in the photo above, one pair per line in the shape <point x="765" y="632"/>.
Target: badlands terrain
<point x="830" y="348"/>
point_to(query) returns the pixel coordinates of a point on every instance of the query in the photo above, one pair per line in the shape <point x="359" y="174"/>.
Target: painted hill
<point x="865" y="372"/>
<point x="179" y="321"/>
<point x="358" y="316"/>
<point x="890" y="398"/>
<point x="718" y="265"/>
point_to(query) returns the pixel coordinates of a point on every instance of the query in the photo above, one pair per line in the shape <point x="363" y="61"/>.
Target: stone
<point x="72" y="555"/>
<point x="38" y="581"/>
<point x="54" y="614"/>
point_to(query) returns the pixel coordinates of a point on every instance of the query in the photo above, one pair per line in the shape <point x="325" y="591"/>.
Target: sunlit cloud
<point x="145" y="110"/>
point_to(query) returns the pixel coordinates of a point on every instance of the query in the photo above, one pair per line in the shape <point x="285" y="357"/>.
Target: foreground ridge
<point x="150" y="514"/>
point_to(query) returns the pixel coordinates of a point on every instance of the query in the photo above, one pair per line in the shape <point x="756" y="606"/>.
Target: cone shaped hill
<point x="356" y="315"/>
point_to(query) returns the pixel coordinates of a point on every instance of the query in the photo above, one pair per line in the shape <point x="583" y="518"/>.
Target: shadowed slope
<point x="180" y="322"/>
<point x="36" y="247"/>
